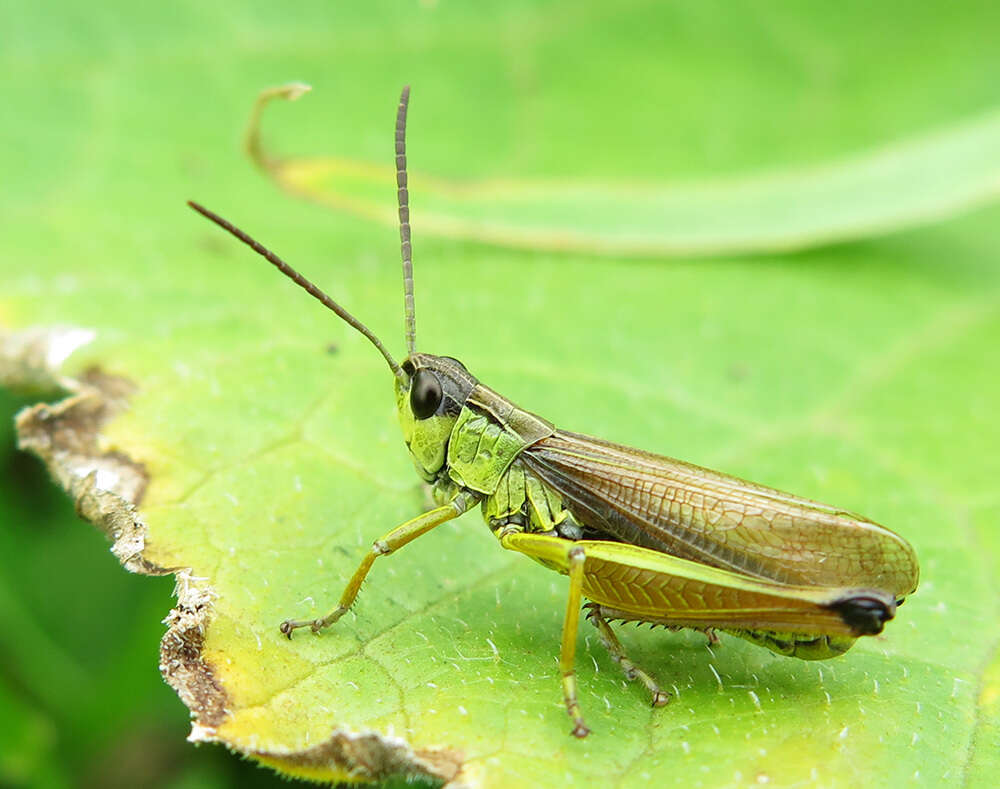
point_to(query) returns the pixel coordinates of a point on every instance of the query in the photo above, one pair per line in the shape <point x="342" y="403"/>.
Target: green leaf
<point x="896" y="187"/>
<point x="26" y="750"/>
<point x="263" y="429"/>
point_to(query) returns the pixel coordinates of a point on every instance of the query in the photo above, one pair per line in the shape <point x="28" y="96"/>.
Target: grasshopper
<point x="643" y="538"/>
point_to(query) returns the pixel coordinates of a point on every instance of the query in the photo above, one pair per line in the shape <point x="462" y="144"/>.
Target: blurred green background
<point x="115" y="113"/>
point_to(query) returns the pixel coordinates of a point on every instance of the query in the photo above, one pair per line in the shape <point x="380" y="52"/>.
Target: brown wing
<point x="722" y="521"/>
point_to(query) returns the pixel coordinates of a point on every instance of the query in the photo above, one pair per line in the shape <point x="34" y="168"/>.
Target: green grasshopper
<point x="644" y="538"/>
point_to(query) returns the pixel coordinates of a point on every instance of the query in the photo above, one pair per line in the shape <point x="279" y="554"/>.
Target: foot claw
<point x="660" y="699"/>
<point x="580" y="730"/>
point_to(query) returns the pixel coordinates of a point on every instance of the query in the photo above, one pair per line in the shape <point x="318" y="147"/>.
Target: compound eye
<point x="425" y="394"/>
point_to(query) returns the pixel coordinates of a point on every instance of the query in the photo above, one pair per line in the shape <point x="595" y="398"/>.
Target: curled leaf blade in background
<point x="898" y="186"/>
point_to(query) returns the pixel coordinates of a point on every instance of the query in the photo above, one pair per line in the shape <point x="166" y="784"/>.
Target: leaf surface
<point x="873" y="193"/>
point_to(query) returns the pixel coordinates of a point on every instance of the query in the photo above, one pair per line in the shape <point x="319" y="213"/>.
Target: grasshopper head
<point x="428" y="402"/>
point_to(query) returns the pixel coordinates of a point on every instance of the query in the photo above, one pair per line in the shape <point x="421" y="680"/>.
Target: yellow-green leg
<point x="392" y="541"/>
<point x="567" y="653"/>
<point x="617" y="652"/>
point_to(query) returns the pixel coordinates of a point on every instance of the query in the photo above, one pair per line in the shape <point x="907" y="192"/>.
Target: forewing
<point x="722" y="521"/>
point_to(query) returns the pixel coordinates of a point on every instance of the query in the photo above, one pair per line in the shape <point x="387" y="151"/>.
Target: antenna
<point x="403" y="198"/>
<point x="302" y="282"/>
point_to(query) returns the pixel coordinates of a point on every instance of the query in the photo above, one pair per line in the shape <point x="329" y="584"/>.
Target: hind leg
<point x="617" y="652"/>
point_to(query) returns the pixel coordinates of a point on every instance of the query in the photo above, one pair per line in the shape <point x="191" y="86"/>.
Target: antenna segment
<point x="303" y="283"/>
<point x="403" y="198"/>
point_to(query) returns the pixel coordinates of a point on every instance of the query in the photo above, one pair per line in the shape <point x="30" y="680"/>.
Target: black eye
<point x="425" y="394"/>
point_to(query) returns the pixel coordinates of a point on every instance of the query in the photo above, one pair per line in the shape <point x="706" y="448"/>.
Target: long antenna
<point x="403" y="198"/>
<point x="303" y="283"/>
